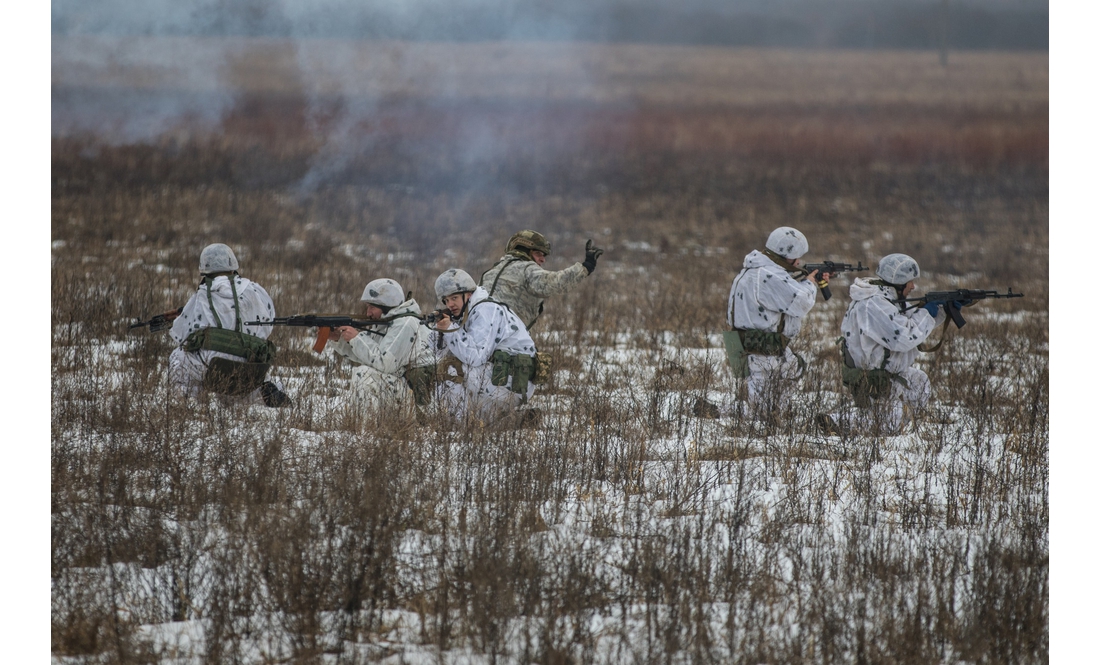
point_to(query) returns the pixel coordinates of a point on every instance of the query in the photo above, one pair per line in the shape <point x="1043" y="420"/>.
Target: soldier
<point x="879" y="346"/>
<point x="212" y="356"/>
<point x="496" y="352"/>
<point x="395" y="363"/>
<point x="767" y="302"/>
<point x="518" y="280"/>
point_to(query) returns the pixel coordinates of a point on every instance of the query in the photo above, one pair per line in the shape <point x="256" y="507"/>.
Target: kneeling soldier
<point x="879" y="347"/>
<point x="496" y="352"/>
<point x="395" y="361"/>
<point x="767" y="302"/>
<point x="217" y="352"/>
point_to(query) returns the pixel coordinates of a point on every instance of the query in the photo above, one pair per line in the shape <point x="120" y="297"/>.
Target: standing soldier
<point x="217" y="352"/>
<point x="496" y="352"/>
<point x="767" y="302"/>
<point x="518" y="280"/>
<point x="395" y="361"/>
<point x="879" y="347"/>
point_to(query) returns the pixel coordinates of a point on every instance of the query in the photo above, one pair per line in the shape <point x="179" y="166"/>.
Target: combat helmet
<point x="897" y="269"/>
<point x="788" y="242"/>
<point x="384" y="293"/>
<point x="453" y="281"/>
<point x="529" y="240"/>
<point x="217" y="258"/>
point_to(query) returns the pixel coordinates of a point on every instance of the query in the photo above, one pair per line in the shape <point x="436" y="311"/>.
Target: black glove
<point x="591" y="253"/>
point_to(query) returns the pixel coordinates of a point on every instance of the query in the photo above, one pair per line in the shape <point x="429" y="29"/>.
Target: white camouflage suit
<point x="378" y="380"/>
<point x="521" y="284"/>
<point x="186" y="369"/>
<point x="874" y="323"/>
<point x="761" y="293"/>
<point x="488" y="327"/>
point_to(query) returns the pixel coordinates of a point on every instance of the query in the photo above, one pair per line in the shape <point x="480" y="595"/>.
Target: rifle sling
<point x="924" y="348"/>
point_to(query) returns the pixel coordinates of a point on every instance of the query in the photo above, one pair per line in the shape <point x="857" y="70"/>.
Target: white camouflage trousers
<point x="186" y="369"/>
<point x="378" y="392"/>
<point x="771" y="379"/>
<point x="477" y="397"/>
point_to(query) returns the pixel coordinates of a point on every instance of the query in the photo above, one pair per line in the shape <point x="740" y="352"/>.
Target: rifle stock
<point x="160" y="321"/>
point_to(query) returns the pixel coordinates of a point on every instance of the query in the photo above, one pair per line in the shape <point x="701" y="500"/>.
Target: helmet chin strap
<point x="897" y="289"/>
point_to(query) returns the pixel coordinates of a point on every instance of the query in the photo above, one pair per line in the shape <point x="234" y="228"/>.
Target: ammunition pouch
<point x="248" y="348"/>
<point x="232" y="377"/>
<point x="763" y="343"/>
<point x="866" y="384"/>
<point x="735" y="353"/>
<point x="421" y="381"/>
<point x="741" y="343"/>
<point x="519" y="367"/>
<point x="442" y="372"/>
<point x="544" y="365"/>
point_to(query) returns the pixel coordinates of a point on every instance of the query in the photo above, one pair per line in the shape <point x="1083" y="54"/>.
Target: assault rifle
<point x="831" y="268"/>
<point x="432" y="318"/>
<point x="160" y="321"/>
<point x="953" y="300"/>
<point x="324" y="325"/>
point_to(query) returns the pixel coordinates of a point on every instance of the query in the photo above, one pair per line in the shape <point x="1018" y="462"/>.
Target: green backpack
<point x="225" y="376"/>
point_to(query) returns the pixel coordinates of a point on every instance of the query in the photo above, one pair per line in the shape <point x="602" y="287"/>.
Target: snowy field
<point x="624" y="530"/>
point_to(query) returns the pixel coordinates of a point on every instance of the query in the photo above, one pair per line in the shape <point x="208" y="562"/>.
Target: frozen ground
<point x="624" y="530"/>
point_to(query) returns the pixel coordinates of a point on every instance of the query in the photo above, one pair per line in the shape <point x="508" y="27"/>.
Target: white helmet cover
<point x="788" y="242"/>
<point x="453" y="281"/>
<point x="383" y="293"/>
<point x="217" y="258"/>
<point x="898" y="268"/>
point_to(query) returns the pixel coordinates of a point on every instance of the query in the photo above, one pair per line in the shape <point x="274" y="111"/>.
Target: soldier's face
<point x="538" y="256"/>
<point x="455" y="301"/>
<point x="373" y="312"/>
<point x="908" y="288"/>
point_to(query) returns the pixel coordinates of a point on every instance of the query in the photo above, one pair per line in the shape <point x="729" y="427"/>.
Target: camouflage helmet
<point x="453" y="281"/>
<point x="898" y="269"/>
<point x="788" y="242"/>
<point x="529" y="240"/>
<point x="383" y="293"/>
<point x="217" y="258"/>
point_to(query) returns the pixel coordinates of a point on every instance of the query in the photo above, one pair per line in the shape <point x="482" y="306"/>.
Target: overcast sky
<point x="848" y="23"/>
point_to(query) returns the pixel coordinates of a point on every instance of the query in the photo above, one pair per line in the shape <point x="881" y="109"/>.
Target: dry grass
<point x="627" y="530"/>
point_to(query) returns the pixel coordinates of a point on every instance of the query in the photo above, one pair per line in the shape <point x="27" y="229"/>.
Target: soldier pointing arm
<point x="519" y="281"/>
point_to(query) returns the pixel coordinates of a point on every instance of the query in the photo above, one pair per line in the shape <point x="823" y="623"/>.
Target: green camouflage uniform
<point x="521" y="284"/>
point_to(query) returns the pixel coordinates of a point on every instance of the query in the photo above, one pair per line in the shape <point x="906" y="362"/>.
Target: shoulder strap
<point x="782" y="263"/>
<point x="733" y="290"/>
<point x="924" y="348"/>
<point x="208" y="280"/>
<point x="470" y="309"/>
<point x="848" y="355"/>
<point x="509" y="261"/>
<point x="733" y="326"/>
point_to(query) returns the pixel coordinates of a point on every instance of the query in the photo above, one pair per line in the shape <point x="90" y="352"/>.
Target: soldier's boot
<point x="704" y="409"/>
<point x="272" y="396"/>
<point x="827" y="424"/>
<point x="531" y="419"/>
